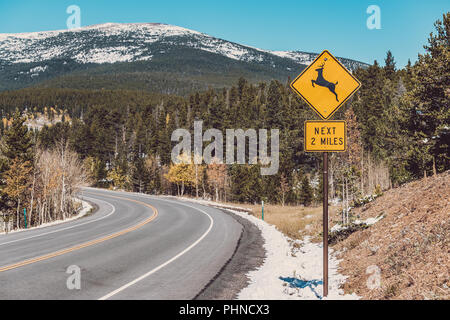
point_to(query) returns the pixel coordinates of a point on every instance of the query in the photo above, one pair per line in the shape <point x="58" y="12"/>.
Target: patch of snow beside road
<point x="299" y="263"/>
<point x="284" y="261"/>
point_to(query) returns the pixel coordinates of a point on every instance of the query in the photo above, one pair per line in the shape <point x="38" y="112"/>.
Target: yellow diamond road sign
<point x="325" y="85"/>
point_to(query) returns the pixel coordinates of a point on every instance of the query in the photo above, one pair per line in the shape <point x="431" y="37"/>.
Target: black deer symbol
<point x="320" y="81"/>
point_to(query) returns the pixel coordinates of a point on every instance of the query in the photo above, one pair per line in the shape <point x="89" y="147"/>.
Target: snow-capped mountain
<point x="32" y="57"/>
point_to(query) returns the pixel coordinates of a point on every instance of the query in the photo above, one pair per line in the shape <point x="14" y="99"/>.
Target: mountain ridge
<point x="40" y="58"/>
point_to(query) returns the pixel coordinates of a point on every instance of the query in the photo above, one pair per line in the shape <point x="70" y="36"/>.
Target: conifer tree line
<point x="398" y="130"/>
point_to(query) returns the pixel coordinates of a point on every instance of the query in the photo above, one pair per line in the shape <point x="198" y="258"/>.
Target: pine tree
<point x="18" y="143"/>
<point x="2" y="127"/>
<point x="284" y="188"/>
<point x="389" y="68"/>
<point x="275" y="105"/>
<point x="431" y="99"/>
<point x="246" y="183"/>
<point x="319" y="189"/>
<point x="306" y="194"/>
<point x="153" y="171"/>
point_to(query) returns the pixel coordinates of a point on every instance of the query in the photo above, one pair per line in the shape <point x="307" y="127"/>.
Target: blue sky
<point x="339" y="26"/>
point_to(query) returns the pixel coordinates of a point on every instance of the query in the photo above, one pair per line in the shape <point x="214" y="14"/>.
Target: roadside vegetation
<point x="37" y="185"/>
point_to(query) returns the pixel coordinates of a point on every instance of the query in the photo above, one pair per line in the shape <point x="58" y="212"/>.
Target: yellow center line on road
<point x="89" y="243"/>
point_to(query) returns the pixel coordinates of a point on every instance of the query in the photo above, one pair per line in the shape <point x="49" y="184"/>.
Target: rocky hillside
<point x="410" y="245"/>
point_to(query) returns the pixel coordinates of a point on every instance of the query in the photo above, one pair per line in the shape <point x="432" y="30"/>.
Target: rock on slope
<point x="410" y="244"/>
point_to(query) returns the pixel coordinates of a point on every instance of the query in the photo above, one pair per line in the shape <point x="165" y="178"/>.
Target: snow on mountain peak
<point x="125" y="42"/>
<point x="107" y="43"/>
<point x="105" y="28"/>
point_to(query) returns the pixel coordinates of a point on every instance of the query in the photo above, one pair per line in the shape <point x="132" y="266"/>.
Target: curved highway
<point x="134" y="247"/>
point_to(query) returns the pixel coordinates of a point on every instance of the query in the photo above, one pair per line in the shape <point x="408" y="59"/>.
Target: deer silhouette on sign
<point x="320" y="81"/>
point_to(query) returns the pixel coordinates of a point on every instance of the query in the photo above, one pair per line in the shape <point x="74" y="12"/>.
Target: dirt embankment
<point x="409" y="246"/>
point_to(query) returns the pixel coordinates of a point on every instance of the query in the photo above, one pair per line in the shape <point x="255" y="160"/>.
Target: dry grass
<point x="294" y="221"/>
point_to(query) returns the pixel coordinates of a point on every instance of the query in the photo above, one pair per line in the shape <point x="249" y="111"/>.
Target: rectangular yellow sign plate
<point x="325" y="136"/>
<point x="325" y="85"/>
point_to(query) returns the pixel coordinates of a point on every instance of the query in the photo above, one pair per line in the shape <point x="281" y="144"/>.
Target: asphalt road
<point x="133" y="247"/>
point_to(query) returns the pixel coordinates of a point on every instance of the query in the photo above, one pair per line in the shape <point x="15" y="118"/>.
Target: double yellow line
<point x="89" y="243"/>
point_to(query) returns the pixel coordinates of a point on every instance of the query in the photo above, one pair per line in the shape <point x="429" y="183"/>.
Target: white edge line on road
<point x="67" y="228"/>
<point x="109" y="295"/>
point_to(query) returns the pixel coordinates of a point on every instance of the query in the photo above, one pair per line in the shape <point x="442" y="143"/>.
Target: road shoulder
<point x="248" y="256"/>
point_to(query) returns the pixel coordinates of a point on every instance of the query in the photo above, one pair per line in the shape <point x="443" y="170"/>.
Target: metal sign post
<point x="325" y="224"/>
